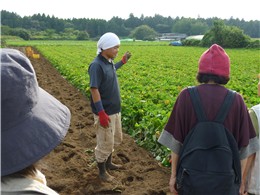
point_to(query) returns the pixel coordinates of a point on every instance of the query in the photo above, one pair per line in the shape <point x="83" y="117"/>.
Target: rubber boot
<point x="103" y="174"/>
<point x="110" y="165"/>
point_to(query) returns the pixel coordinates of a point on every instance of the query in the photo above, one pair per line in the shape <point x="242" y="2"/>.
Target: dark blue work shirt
<point x="103" y="76"/>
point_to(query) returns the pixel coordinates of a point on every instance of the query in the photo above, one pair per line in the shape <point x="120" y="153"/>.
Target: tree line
<point x="41" y="26"/>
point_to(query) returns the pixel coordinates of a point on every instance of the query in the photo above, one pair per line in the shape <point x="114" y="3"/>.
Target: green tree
<point x="182" y="26"/>
<point x="226" y="36"/>
<point x="50" y="33"/>
<point x="20" y="32"/>
<point x="117" y="26"/>
<point x="70" y="33"/>
<point x="83" y="35"/>
<point x="218" y="32"/>
<point x="190" y="26"/>
<point x="144" y="32"/>
<point x="5" y="30"/>
<point x="234" y="37"/>
<point x="198" y="28"/>
<point x="132" y="22"/>
<point x="122" y="27"/>
<point x="10" y="19"/>
<point x="161" y="24"/>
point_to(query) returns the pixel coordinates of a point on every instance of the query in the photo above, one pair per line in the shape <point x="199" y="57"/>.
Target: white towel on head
<point x="106" y="41"/>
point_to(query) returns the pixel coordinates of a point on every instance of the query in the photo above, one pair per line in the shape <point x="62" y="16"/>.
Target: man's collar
<point x="104" y="59"/>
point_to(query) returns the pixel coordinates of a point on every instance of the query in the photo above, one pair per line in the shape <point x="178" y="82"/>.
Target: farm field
<point x="151" y="80"/>
<point x="149" y="83"/>
<point x="71" y="169"/>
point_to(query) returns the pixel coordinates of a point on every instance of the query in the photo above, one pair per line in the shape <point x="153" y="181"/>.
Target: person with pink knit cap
<point x="213" y="74"/>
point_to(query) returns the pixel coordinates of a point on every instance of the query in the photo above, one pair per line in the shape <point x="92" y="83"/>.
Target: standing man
<point x="106" y="102"/>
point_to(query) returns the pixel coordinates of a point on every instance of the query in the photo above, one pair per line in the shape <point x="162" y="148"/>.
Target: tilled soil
<point x="71" y="169"/>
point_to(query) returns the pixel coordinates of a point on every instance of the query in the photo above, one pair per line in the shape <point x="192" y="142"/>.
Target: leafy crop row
<point x="151" y="80"/>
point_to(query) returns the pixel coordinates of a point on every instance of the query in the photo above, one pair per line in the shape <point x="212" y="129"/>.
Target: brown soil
<point x="71" y="169"/>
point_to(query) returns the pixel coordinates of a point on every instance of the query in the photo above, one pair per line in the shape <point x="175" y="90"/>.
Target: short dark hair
<point x="205" y="78"/>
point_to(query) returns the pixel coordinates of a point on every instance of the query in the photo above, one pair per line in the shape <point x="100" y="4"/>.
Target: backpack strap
<point x="223" y="111"/>
<point x="236" y="157"/>
<point x="221" y="115"/>
<point x="195" y="98"/>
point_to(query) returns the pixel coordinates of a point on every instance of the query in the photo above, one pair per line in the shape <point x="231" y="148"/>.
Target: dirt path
<point x="70" y="169"/>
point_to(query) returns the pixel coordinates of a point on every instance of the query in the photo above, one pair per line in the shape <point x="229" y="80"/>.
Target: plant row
<point x="151" y="81"/>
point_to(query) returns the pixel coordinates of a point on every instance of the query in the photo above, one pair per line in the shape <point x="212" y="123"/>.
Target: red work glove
<point x="126" y="57"/>
<point x="103" y="118"/>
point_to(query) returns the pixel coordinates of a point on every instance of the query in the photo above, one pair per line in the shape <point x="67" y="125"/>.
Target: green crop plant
<point x="151" y="81"/>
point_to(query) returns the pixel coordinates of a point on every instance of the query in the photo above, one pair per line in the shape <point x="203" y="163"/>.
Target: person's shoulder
<point x="99" y="61"/>
<point x="255" y="107"/>
<point x="254" y="110"/>
<point x="238" y="96"/>
<point x="251" y="112"/>
<point x="96" y="60"/>
<point x="184" y="93"/>
<point x="239" y="103"/>
<point x="96" y="63"/>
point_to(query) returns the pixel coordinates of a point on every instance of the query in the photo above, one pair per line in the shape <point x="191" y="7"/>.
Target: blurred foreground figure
<point x="33" y="123"/>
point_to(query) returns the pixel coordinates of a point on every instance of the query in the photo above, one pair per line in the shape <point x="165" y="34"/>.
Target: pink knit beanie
<point x="215" y="61"/>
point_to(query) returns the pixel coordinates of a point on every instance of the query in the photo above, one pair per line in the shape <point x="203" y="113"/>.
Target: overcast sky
<point x="106" y="9"/>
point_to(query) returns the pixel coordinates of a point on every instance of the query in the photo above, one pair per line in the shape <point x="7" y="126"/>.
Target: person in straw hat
<point x="106" y="101"/>
<point x="33" y="123"/>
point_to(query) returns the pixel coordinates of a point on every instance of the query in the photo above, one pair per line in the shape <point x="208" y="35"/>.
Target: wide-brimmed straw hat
<point x="33" y="122"/>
